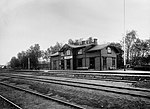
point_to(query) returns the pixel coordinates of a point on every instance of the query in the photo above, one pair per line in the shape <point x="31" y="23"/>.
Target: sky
<point x="27" y="22"/>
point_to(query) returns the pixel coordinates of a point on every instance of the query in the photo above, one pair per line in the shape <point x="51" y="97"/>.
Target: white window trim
<point x="68" y="52"/>
<point x="109" y="50"/>
<point x="80" y="51"/>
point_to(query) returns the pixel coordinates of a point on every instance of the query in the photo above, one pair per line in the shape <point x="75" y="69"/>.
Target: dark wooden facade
<point x="88" y="56"/>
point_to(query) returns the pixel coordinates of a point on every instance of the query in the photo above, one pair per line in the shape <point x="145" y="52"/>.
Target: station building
<point x="85" y="56"/>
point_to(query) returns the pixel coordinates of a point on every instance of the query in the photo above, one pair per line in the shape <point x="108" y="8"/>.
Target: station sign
<point x="67" y="57"/>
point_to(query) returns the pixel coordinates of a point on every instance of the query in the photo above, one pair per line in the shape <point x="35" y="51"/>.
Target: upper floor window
<point x="109" y="50"/>
<point x="113" y="62"/>
<point x="68" y="52"/>
<point x="104" y="61"/>
<point x="80" y="51"/>
<point x="62" y="54"/>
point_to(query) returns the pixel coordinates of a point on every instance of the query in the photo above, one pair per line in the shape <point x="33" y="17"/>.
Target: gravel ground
<point x="88" y="98"/>
<point x="28" y="101"/>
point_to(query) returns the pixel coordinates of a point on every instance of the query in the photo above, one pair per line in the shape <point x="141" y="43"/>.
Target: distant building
<point x="43" y="64"/>
<point x="2" y="66"/>
<point x="85" y="56"/>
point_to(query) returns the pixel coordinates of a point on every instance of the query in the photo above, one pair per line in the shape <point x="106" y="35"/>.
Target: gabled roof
<point x="75" y="46"/>
<point x="80" y="46"/>
<point x="98" y="47"/>
<point x="55" y="54"/>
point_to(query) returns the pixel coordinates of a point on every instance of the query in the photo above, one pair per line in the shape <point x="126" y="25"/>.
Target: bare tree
<point x="129" y="40"/>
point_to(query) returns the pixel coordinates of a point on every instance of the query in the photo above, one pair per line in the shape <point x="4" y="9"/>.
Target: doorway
<point x="68" y="64"/>
<point x="92" y="63"/>
<point x="104" y="63"/>
<point x="62" y="64"/>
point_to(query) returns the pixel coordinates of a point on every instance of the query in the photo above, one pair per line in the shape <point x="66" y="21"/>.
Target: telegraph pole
<point x="29" y="63"/>
<point x="124" y="39"/>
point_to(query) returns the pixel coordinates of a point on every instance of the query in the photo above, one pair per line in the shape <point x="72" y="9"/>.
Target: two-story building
<point x="85" y="56"/>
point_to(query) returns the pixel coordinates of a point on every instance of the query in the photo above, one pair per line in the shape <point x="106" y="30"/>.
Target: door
<point x="104" y="63"/>
<point x="79" y="62"/>
<point x="54" y="65"/>
<point x="68" y="63"/>
<point x="92" y="63"/>
<point x="62" y="64"/>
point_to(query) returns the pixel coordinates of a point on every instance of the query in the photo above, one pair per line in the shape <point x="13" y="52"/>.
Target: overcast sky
<point x="27" y="22"/>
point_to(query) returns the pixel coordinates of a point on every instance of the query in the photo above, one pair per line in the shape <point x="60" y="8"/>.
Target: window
<point x="80" y="51"/>
<point x="68" y="64"/>
<point x="62" y="54"/>
<point x="80" y="62"/>
<point x="109" y="50"/>
<point x="104" y="62"/>
<point x="92" y="63"/>
<point x="62" y="64"/>
<point x="54" y="65"/>
<point x="113" y="62"/>
<point x="68" y="52"/>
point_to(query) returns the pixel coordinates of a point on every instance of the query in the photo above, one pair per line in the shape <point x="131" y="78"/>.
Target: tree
<point x="55" y="48"/>
<point x="14" y="62"/>
<point x="144" y="47"/>
<point x="46" y="54"/>
<point x="129" y="41"/>
<point x="34" y="53"/>
<point x="70" y="41"/>
<point x="118" y="45"/>
<point x="22" y="57"/>
<point x="90" y="39"/>
<point x="140" y="51"/>
<point x="79" y="41"/>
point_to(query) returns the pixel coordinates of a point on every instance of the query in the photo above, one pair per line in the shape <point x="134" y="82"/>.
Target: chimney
<point x="83" y="42"/>
<point x="87" y="42"/>
<point x="95" y="41"/>
<point x="80" y="43"/>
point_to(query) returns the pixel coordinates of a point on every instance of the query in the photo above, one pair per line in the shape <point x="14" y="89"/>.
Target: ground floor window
<point x="62" y="64"/>
<point x="54" y="65"/>
<point x="104" y="62"/>
<point x="113" y="62"/>
<point x="80" y="62"/>
<point x="68" y="63"/>
<point x="92" y="63"/>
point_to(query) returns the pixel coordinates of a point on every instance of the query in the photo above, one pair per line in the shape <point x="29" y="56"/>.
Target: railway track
<point x="71" y="105"/>
<point x="135" y="92"/>
<point x="128" y="72"/>
<point x="126" y="78"/>
<point x="12" y="105"/>
<point x="116" y="76"/>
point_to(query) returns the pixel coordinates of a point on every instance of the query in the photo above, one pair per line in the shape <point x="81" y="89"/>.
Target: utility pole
<point x="124" y="39"/>
<point x="29" y="63"/>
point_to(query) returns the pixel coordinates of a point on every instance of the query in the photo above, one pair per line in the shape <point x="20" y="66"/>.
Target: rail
<point x="10" y="102"/>
<point x="106" y="88"/>
<point x="44" y="96"/>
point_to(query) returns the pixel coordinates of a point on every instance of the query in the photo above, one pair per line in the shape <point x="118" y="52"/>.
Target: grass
<point x="4" y="79"/>
<point x="27" y="101"/>
<point x="142" y="84"/>
<point x="83" y="97"/>
<point x="42" y="88"/>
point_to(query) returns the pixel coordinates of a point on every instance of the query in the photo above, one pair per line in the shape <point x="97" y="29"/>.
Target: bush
<point x="143" y="67"/>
